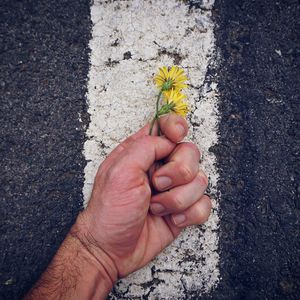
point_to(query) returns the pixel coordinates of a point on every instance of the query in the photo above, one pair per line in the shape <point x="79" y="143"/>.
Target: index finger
<point x="172" y="126"/>
<point x="142" y="132"/>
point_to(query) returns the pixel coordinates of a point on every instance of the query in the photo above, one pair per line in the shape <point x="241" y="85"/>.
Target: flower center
<point x="166" y="108"/>
<point x="167" y="85"/>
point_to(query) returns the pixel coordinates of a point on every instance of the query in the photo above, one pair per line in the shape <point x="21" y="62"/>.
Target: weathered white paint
<point x="121" y="99"/>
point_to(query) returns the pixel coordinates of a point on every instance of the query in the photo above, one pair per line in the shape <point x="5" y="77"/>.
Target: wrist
<point x="75" y="272"/>
<point x="95" y="255"/>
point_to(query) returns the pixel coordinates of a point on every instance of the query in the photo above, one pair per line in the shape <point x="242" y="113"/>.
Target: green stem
<point x="157" y="102"/>
<point x="152" y="124"/>
<point x="156" y="113"/>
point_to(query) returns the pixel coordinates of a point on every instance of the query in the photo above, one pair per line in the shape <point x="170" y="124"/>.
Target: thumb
<point x="144" y="151"/>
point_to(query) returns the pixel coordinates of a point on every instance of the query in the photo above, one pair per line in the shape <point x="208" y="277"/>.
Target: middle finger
<point x="181" y="168"/>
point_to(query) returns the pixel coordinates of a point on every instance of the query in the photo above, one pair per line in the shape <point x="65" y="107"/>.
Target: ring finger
<point x="179" y="198"/>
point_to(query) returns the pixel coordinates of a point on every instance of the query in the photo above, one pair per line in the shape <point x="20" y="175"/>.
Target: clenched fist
<point x="145" y="192"/>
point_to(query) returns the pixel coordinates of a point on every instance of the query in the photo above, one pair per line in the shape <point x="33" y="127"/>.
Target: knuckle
<point x="125" y="144"/>
<point x="203" y="179"/>
<point x="185" y="173"/>
<point x="146" y="190"/>
<point x="192" y="147"/>
<point x="202" y="217"/>
<point x="209" y="203"/>
<point x="178" y="203"/>
<point x="142" y="141"/>
<point x="142" y="191"/>
<point x="203" y="214"/>
<point x="113" y="172"/>
<point x="99" y="173"/>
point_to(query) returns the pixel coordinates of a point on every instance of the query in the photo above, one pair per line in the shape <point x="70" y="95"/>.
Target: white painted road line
<point x="130" y="41"/>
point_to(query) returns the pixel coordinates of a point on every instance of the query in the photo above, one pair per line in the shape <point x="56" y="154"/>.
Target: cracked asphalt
<point x="258" y="149"/>
<point x="44" y="66"/>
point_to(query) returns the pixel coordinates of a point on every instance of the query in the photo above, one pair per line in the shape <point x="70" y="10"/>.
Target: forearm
<point x="75" y="272"/>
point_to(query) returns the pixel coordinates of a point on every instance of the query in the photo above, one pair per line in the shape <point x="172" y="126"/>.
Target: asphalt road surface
<point x="44" y="73"/>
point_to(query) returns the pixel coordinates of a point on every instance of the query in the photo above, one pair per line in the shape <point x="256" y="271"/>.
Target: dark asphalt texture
<point x="44" y="67"/>
<point x="258" y="151"/>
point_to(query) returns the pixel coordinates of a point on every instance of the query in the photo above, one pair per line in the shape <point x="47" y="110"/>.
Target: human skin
<point x="138" y="206"/>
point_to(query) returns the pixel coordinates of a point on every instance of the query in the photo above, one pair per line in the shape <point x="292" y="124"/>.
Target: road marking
<point x="130" y="41"/>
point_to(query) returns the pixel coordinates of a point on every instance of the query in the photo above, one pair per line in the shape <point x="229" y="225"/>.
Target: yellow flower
<point x="168" y="79"/>
<point x="174" y="102"/>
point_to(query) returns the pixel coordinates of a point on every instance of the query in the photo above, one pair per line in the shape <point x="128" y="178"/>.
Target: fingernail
<point x="180" y="129"/>
<point x="179" y="219"/>
<point x="163" y="182"/>
<point x="157" y="208"/>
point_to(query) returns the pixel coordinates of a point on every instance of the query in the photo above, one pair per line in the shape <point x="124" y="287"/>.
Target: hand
<point x="130" y="219"/>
